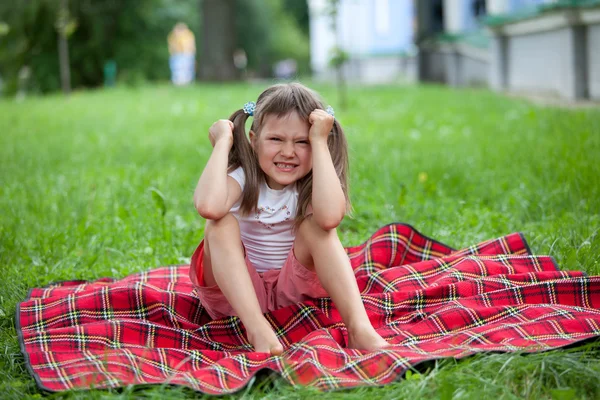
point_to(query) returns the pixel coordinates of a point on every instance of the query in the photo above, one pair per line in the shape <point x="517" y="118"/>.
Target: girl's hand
<point x="321" y="125"/>
<point x="222" y="130"/>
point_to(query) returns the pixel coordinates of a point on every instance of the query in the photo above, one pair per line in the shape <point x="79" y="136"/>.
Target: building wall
<point x="434" y="66"/>
<point x="453" y="66"/>
<point x="474" y="72"/>
<point x="365" y="28"/>
<point x="516" y="5"/>
<point x="508" y="6"/>
<point x="536" y="61"/>
<point x="459" y="16"/>
<point x="387" y="69"/>
<point x="322" y="39"/>
<point x="391" y="26"/>
<point x="497" y="6"/>
<point x="593" y="67"/>
<point x="368" y="27"/>
<point x="354" y="30"/>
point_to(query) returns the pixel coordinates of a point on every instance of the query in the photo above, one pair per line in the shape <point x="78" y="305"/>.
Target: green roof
<point x="501" y="19"/>
<point x="476" y="38"/>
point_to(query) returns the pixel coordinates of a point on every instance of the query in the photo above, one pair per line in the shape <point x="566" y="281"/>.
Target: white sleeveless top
<point x="267" y="232"/>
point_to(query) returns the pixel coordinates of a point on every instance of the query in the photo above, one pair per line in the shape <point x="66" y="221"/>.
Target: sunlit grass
<point x="100" y="184"/>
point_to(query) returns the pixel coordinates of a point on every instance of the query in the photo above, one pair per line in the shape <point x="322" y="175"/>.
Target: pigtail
<point x="304" y="187"/>
<point x="242" y="154"/>
<point x="338" y="148"/>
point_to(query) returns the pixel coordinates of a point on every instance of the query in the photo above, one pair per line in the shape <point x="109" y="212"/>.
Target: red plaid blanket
<point x="426" y="299"/>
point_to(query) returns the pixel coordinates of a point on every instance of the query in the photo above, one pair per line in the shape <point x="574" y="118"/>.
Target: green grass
<point x="100" y="184"/>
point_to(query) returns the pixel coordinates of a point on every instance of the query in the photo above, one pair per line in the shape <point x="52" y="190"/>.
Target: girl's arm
<point x="328" y="201"/>
<point x="217" y="192"/>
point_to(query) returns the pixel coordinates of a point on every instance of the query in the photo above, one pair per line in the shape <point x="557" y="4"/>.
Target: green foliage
<point x="298" y="10"/>
<point x="28" y="34"/>
<point x="129" y="32"/>
<point x="269" y="33"/>
<point x="4" y="29"/>
<point x="65" y="25"/>
<point x="134" y="35"/>
<point x="338" y="57"/>
<point x="288" y="39"/>
<point x="101" y="184"/>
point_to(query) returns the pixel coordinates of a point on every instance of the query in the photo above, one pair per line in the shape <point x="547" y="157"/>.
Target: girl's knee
<point x="310" y="231"/>
<point x="311" y="240"/>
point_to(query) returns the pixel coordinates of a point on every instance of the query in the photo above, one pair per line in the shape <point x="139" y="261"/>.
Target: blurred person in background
<point x="286" y="69"/>
<point x="240" y="60"/>
<point x="182" y="47"/>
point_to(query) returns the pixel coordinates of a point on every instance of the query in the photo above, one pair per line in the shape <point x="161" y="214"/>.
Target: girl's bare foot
<point x="262" y="337"/>
<point x="365" y="338"/>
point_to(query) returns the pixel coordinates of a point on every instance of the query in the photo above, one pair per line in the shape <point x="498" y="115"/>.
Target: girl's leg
<point x="225" y="266"/>
<point x="322" y="251"/>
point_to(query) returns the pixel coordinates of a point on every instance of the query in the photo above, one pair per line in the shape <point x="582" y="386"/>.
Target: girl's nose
<point x="287" y="149"/>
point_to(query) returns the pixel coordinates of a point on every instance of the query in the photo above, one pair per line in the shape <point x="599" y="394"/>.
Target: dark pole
<point x="63" y="46"/>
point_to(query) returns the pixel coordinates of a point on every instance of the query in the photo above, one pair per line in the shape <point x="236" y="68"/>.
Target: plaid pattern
<point x="426" y="299"/>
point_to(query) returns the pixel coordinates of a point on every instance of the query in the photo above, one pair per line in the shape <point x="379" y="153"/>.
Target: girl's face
<point x="283" y="149"/>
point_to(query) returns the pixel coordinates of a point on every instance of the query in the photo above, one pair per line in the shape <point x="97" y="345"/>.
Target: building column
<point x="499" y="62"/>
<point x="576" y="75"/>
<point x="322" y="39"/>
<point x="422" y="10"/>
<point x="453" y="68"/>
<point x="454" y="16"/>
<point x="495" y="7"/>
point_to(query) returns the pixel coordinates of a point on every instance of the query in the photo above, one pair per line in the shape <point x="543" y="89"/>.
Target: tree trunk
<point x="65" y="70"/>
<point x="63" y="48"/>
<point x="341" y="86"/>
<point x="218" y="40"/>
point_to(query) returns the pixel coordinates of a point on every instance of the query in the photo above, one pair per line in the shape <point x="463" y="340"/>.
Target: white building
<point x="376" y="34"/>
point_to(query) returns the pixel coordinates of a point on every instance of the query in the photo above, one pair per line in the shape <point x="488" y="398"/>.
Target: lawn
<point x="100" y="184"/>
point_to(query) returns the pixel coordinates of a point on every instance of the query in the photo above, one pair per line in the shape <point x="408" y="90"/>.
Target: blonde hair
<point x="280" y="100"/>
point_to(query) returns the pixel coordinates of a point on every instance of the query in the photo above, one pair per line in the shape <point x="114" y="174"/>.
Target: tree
<point x="65" y="26"/>
<point x="298" y="10"/>
<point x="339" y="57"/>
<point x="218" y="40"/>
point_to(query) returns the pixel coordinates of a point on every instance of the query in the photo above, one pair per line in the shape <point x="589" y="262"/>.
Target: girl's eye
<point x="276" y="139"/>
<point x="303" y="142"/>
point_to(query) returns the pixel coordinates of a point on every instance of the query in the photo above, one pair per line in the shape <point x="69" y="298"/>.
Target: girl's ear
<point x="252" y="139"/>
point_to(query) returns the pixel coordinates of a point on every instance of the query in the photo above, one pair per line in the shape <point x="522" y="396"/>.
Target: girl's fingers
<point x="316" y="114"/>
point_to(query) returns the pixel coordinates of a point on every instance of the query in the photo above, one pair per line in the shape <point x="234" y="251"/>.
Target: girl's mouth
<point x="285" y="167"/>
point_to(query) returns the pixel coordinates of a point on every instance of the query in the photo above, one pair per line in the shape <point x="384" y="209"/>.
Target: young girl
<point x="272" y="205"/>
